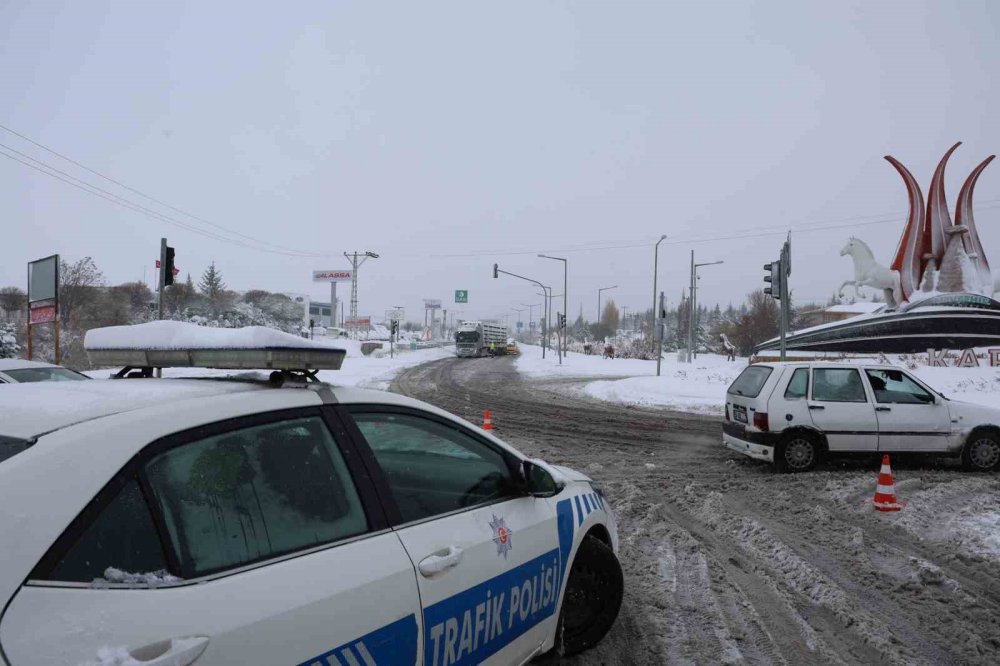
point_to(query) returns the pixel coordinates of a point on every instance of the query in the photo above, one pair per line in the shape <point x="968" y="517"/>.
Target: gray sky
<point x="447" y="136"/>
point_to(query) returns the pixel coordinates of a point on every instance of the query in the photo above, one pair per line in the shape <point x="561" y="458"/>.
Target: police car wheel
<point x="593" y="597"/>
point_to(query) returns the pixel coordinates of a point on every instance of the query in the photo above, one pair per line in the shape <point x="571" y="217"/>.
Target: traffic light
<point x="168" y="267"/>
<point x="395" y="327"/>
<point x="562" y="320"/>
<point x="496" y="269"/>
<point x="773" y="279"/>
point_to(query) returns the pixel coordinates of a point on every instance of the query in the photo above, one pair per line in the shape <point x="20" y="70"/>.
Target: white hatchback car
<point x="183" y="521"/>
<point x="18" y="371"/>
<point x="792" y="414"/>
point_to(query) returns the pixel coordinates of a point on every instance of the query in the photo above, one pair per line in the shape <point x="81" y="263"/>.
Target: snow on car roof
<point x="29" y="410"/>
<point x="182" y="335"/>
<point x="19" y="363"/>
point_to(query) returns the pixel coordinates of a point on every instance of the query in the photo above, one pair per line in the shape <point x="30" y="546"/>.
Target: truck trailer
<point x="473" y="338"/>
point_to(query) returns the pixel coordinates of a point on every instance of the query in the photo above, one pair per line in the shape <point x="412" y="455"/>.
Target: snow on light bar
<point x="175" y="344"/>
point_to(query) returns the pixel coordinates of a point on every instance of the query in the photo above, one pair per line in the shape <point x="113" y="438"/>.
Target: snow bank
<point x="701" y="386"/>
<point x="182" y="335"/>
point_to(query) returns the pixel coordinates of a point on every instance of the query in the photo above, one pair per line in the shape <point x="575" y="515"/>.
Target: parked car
<point x="236" y="522"/>
<point x="18" y="371"/>
<point x="793" y="414"/>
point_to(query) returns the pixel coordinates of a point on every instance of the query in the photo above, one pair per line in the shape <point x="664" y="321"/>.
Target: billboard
<point x="333" y="276"/>
<point x="432" y="303"/>
<point x="359" y="324"/>
<point x="43" y="276"/>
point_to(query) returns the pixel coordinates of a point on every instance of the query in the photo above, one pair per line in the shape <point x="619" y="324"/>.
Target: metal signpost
<point x="333" y="277"/>
<point x="43" y="298"/>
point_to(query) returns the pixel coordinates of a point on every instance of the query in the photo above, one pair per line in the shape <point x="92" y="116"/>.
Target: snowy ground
<point x="375" y="371"/>
<point x="700" y="387"/>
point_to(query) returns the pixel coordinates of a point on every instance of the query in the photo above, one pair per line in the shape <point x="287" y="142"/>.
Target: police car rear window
<point x="11" y="446"/>
<point x="750" y="381"/>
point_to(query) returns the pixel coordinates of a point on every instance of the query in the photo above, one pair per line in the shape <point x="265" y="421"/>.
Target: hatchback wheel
<point x="799" y="452"/>
<point x="981" y="452"/>
<point x="592" y="599"/>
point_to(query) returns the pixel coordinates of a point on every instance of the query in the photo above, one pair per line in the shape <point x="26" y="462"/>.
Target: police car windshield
<point x="26" y="375"/>
<point x="11" y="446"/>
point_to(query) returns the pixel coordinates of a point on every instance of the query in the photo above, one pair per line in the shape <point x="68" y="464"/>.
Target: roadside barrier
<point x="885" y="492"/>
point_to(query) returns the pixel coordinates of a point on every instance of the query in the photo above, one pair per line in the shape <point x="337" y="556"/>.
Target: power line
<point x="227" y="230"/>
<point x="90" y="188"/>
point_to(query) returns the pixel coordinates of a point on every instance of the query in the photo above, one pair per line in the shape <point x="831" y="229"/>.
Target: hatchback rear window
<point x="750" y="381"/>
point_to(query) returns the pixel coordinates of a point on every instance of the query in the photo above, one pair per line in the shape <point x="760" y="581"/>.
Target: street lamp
<point x="693" y="303"/>
<point x="496" y="274"/>
<point x="599" y="301"/>
<point x="565" y="291"/>
<point x="654" y="330"/>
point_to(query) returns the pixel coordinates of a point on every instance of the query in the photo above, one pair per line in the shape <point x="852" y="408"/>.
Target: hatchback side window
<point x="838" y="385"/>
<point x="120" y="545"/>
<point x="894" y="387"/>
<point x="798" y="385"/>
<point x="253" y="494"/>
<point x="433" y="468"/>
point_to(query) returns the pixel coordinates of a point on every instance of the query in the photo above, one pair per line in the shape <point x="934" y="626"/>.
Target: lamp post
<point x="654" y="330"/>
<point x="565" y="298"/>
<point x="602" y="289"/>
<point x="496" y="274"/>
<point x="693" y="303"/>
<point x="518" y="311"/>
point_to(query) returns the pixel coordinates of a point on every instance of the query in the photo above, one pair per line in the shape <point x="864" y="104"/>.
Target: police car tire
<point x="596" y="579"/>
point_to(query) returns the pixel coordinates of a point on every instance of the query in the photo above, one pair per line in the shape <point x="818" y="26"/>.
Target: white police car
<point x="198" y="521"/>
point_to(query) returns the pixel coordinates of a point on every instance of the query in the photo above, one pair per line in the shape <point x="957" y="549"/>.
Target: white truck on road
<point x="474" y="338"/>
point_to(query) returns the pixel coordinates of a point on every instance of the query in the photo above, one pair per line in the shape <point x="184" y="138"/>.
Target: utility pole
<point x="654" y="324"/>
<point x="565" y="298"/>
<point x="355" y="265"/>
<point x="658" y="318"/>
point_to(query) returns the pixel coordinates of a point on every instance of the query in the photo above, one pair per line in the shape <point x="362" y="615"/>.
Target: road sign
<point x="531" y="325"/>
<point x="432" y="303"/>
<point x="520" y="325"/>
<point x="461" y="295"/>
<point x="333" y="276"/>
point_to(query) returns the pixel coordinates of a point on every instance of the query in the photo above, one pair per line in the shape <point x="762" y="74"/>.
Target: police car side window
<point x="253" y="494"/>
<point x="119" y="545"/>
<point x="433" y="468"/>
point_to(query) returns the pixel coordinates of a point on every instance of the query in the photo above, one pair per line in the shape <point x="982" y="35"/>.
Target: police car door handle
<point x="440" y="561"/>
<point x="172" y="652"/>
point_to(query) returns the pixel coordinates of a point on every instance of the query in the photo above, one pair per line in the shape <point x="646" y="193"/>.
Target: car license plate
<point x="740" y="413"/>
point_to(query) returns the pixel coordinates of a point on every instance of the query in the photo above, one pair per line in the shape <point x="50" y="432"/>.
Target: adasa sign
<point x="333" y="276"/>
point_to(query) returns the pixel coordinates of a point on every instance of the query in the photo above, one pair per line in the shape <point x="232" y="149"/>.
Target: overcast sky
<point x="448" y="136"/>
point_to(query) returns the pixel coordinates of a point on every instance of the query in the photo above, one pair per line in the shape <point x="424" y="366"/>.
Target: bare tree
<point x="13" y="300"/>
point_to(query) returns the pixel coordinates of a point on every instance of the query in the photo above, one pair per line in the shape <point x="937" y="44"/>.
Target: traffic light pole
<point x="160" y="279"/>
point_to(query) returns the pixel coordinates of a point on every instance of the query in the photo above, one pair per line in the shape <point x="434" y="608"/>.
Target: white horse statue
<point x="868" y="273"/>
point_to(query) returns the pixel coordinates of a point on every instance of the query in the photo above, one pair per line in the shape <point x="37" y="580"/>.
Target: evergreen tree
<point x="213" y="289"/>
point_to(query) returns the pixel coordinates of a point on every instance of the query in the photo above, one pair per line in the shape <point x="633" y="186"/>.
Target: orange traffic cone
<point x="487" y="420"/>
<point x="885" y="492"/>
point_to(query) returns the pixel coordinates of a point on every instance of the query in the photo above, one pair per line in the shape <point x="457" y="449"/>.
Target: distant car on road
<point x="214" y="522"/>
<point x="17" y="371"/>
<point x="792" y="414"/>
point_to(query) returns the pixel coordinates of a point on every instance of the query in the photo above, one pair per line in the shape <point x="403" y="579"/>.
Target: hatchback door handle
<point x="883" y="409"/>
<point x="171" y="652"/>
<point x="437" y="562"/>
<point x="816" y="407"/>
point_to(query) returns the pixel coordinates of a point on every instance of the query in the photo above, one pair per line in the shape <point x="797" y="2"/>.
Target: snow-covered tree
<point x="8" y="342"/>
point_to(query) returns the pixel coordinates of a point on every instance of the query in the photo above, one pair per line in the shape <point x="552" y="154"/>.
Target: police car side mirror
<point x="537" y="481"/>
